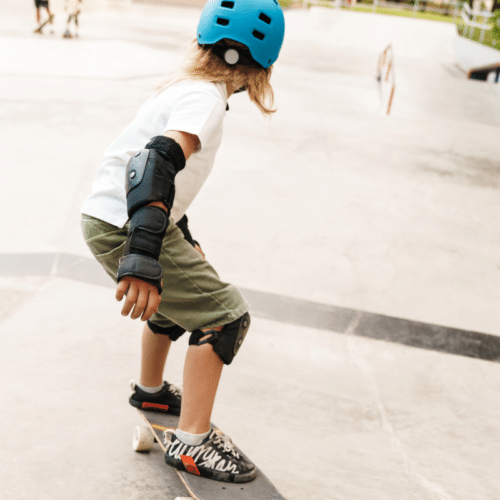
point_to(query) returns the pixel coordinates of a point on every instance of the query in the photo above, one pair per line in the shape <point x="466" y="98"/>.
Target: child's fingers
<point x="153" y="303"/>
<point x="140" y="303"/>
<point x="121" y="289"/>
<point x="198" y="249"/>
<point x="131" y="299"/>
<point x="142" y="299"/>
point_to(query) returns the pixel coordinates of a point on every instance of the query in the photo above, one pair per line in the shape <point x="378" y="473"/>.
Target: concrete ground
<point x="367" y="244"/>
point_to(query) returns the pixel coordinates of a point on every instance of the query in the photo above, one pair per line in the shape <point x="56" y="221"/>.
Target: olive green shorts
<point x="193" y="296"/>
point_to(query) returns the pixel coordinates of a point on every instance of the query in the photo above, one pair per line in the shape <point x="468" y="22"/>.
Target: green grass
<point x="366" y="7"/>
<point x="489" y="38"/>
<point x="433" y="16"/>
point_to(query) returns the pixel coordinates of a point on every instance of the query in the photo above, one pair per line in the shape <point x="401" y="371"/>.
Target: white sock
<point x="150" y="390"/>
<point x="191" y="439"/>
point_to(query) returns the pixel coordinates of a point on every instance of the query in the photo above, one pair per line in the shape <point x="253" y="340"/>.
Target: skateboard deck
<point x="201" y="488"/>
<point x="42" y="25"/>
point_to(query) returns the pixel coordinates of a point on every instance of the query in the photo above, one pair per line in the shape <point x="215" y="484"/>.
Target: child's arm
<point x="143" y="298"/>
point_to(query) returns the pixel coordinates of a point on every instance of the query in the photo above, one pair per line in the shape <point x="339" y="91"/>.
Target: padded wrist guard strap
<point x="141" y="267"/>
<point x="147" y="228"/>
<point x="142" y="250"/>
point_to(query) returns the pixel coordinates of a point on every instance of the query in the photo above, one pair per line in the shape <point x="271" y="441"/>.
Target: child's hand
<point x="198" y="249"/>
<point x="141" y="296"/>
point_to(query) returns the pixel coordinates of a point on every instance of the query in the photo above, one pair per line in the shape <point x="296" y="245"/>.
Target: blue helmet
<point x="257" y="24"/>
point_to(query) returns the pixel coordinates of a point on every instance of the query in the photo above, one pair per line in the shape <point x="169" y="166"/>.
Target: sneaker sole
<point x="227" y="477"/>
<point x="155" y="407"/>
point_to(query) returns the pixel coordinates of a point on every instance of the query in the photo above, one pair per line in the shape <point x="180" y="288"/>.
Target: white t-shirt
<point x="73" y="7"/>
<point x="196" y="107"/>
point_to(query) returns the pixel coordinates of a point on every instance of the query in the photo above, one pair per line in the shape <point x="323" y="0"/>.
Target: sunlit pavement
<point x="367" y="245"/>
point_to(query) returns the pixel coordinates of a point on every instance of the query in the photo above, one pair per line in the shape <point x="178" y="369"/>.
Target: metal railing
<point x="470" y="22"/>
<point x="385" y="77"/>
<point x="451" y="8"/>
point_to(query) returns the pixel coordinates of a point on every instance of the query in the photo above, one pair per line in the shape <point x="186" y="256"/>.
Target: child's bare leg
<point x="202" y="371"/>
<point x="154" y="355"/>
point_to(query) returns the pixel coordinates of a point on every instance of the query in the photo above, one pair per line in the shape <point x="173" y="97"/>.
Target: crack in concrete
<point x="371" y="384"/>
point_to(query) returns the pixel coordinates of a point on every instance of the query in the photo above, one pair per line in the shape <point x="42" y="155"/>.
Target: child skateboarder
<point x="133" y="222"/>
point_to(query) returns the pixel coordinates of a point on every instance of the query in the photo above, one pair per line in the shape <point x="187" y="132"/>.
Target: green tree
<point x="495" y="21"/>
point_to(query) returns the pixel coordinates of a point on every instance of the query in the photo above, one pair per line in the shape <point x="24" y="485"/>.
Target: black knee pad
<point x="227" y="342"/>
<point x="174" y="332"/>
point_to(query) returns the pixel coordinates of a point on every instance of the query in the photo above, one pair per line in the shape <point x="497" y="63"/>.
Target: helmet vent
<point x="227" y="5"/>
<point x="265" y="18"/>
<point x="258" y="35"/>
<point x="222" y="21"/>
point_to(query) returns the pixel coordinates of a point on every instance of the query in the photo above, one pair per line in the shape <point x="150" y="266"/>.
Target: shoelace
<point x="227" y="445"/>
<point x="173" y="389"/>
<point x="167" y="437"/>
<point x="176" y="391"/>
<point x="220" y="439"/>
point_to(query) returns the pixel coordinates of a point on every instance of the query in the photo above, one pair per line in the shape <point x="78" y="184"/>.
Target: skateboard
<point x="200" y="488"/>
<point x="67" y="34"/>
<point x="42" y="25"/>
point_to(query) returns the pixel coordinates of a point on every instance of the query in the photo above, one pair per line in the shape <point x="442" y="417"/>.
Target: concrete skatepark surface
<point x="329" y="204"/>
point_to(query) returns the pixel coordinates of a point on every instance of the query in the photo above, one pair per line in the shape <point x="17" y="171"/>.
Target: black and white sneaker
<point x="215" y="458"/>
<point x="167" y="400"/>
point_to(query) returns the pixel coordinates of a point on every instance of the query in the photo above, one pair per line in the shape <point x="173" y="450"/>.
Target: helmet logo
<point x="231" y="56"/>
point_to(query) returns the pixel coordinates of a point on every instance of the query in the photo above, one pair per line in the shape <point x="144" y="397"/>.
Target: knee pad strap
<point x="227" y="342"/>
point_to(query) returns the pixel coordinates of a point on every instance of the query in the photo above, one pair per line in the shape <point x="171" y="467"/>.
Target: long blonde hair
<point x="201" y="63"/>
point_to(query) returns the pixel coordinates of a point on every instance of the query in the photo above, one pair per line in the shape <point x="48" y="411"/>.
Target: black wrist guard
<point x="141" y="267"/>
<point x="142" y="250"/>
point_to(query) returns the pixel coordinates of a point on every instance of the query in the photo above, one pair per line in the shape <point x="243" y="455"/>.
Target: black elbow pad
<point x="151" y="174"/>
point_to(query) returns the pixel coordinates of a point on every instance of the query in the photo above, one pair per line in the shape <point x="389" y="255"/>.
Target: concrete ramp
<point x="373" y="32"/>
<point x="330" y="214"/>
<point x="470" y="54"/>
<point x="87" y="59"/>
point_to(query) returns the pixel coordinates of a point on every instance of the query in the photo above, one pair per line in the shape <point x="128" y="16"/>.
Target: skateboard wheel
<point x="143" y="439"/>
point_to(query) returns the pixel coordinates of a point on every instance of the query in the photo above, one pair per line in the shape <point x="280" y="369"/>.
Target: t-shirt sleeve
<point x="199" y="112"/>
